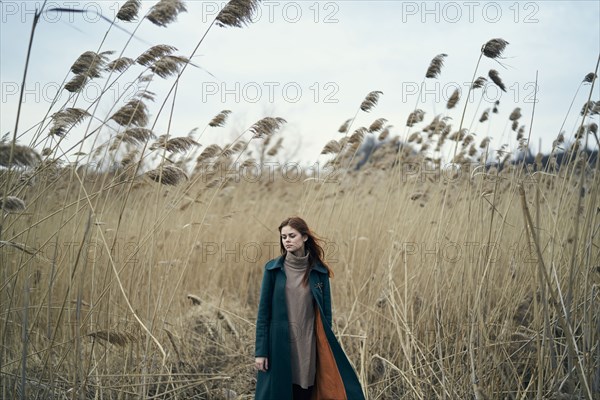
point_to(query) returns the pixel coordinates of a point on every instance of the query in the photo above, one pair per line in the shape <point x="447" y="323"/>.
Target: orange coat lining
<point x="328" y="381"/>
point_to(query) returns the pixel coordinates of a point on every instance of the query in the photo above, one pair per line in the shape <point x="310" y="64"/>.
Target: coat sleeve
<point x="264" y="316"/>
<point x="327" y="300"/>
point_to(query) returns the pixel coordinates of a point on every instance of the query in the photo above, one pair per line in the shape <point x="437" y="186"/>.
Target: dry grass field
<point x="452" y="281"/>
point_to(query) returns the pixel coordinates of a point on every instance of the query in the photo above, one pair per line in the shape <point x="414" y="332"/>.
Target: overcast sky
<point x="313" y="62"/>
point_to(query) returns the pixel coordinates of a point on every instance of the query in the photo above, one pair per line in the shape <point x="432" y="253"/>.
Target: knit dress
<point x="301" y="316"/>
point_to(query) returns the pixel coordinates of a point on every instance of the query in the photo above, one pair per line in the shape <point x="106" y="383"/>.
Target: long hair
<point x="312" y="245"/>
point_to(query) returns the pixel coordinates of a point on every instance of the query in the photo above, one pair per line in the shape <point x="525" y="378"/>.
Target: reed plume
<point x="515" y="115"/>
<point x="166" y="11"/>
<point x="12" y="204"/>
<point x="479" y="82"/>
<point x="129" y="158"/>
<point x="167" y="175"/>
<point x="495" y="77"/>
<point x="209" y="152"/>
<point x="236" y="13"/>
<point x="384" y="133"/>
<point x="90" y="64"/>
<point x="129" y="11"/>
<point x="344" y="127"/>
<point x="415" y="117"/>
<point x="494" y="48"/>
<point x="76" y="83"/>
<point x="370" y="101"/>
<point x="589" y="78"/>
<point x="495" y="109"/>
<point x="515" y="125"/>
<point x="169" y="65"/>
<point x="332" y="147"/>
<point x="377" y="125"/>
<point x="137" y="135"/>
<point x="133" y="112"/>
<point x="358" y="135"/>
<point x="154" y="53"/>
<point x="453" y="99"/>
<point x="119" y="64"/>
<point x="485" y="115"/>
<point x="219" y="119"/>
<point x="485" y="142"/>
<point x="174" y="145"/>
<point x="66" y="119"/>
<point x="266" y="126"/>
<point x="593" y="108"/>
<point x="435" y="67"/>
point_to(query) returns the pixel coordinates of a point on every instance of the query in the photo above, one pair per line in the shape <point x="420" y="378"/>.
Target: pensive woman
<point x="297" y="354"/>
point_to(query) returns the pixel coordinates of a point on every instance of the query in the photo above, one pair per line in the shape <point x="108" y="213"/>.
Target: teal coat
<point x="272" y="335"/>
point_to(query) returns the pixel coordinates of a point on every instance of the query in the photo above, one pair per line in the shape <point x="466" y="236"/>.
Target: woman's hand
<point x="261" y="363"/>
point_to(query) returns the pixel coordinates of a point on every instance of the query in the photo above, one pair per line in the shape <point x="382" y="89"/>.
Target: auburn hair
<point x="312" y="245"/>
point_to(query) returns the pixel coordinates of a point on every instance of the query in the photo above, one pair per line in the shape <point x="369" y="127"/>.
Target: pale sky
<point x="313" y="62"/>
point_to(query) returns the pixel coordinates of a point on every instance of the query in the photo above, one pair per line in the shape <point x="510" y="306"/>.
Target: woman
<point x="297" y="354"/>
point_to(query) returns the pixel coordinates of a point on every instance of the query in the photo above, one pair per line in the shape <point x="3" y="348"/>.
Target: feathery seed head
<point x="90" y="63"/>
<point x="593" y="108"/>
<point x="415" y="117"/>
<point x="119" y="64"/>
<point x="66" y="119"/>
<point x="134" y="112"/>
<point x="219" y="119"/>
<point x="453" y="99"/>
<point x="435" y="67"/>
<point x="479" y="82"/>
<point x="494" y="48"/>
<point x="76" y="83"/>
<point x="515" y="115"/>
<point x="23" y="156"/>
<point x="358" y="135"/>
<point x="589" y="78"/>
<point x="167" y="175"/>
<point x="384" y="133"/>
<point x="166" y="11"/>
<point x="129" y="11"/>
<point x="377" y="125"/>
<point x="267" y="126"/>
<point x="237" y="13"/>
<point x="174" y="145"/>
<point x="168" y="65"/>
<point x="485" y="115"/>
<point x="370" y="101"/>
<point x="344" y="127"/>
<point x="12" y="204"/>
<point x="154" y="53"/>
<point x="332" y="147"/>
<point x="495" y="77"/>
<point x="137" y="135"/>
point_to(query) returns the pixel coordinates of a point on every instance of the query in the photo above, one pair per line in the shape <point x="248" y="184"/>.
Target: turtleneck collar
<point x="296" y="262"/>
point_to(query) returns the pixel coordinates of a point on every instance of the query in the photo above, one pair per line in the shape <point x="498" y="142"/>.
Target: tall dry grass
<point x="142" y="280"/>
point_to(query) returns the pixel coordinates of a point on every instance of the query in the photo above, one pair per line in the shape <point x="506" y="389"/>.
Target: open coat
<point x="335" y="378"/>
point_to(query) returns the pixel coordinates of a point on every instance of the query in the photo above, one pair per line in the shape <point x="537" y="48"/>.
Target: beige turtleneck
<point x="301" y="318"/>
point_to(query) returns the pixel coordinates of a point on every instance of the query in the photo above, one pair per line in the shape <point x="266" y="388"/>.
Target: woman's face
<point x="292" y="240"/>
